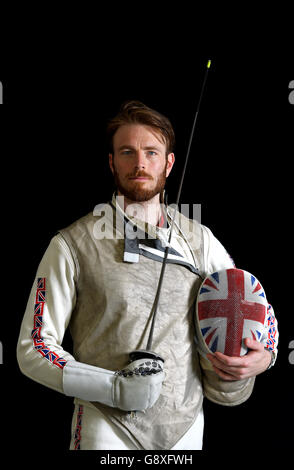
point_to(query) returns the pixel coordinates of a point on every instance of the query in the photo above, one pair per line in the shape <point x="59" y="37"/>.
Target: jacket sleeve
<point x="270" y="337"/>
<point x="40" y="354"/>
<point x="215" y="389"/>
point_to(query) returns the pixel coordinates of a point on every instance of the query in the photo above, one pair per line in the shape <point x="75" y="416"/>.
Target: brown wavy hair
<point x="135" y="112"/>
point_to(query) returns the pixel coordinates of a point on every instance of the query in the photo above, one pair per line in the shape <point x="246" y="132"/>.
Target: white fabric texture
<point x="92" y="430"/>
<point x="88" y="382"/>
<point x="37" y="357"/>
<point x="91" y="383"/>
<point x="57" y="267"/>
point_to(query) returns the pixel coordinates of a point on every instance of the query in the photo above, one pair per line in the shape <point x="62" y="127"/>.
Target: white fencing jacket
<point x="51" y="310"/>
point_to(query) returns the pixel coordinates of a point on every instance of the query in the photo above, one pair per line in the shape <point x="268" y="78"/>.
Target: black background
<point x="58" y="96"/>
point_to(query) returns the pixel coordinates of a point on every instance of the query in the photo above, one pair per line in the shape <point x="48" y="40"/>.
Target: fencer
<point x="98" y="277"/>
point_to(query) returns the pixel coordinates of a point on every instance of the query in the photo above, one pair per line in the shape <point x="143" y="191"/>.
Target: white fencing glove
<point x="136" y="387"/>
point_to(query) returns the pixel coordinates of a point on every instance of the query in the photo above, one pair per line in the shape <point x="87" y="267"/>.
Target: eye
<point x="126" y="152"/>
<point x="152" y="153"/>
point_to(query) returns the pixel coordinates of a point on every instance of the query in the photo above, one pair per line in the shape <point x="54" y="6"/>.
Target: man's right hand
<point x="138" y="386"/>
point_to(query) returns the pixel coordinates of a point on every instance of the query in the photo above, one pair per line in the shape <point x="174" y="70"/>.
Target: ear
<point x="110" y="157"/>
<point x="170" y="162"/>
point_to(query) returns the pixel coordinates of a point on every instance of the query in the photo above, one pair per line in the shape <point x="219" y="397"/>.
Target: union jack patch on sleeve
<point x="271" y="343"/>
<point x="38" y="341"/>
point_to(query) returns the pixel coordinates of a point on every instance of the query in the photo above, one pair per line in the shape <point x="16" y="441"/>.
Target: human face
<point x="139" y="162"/>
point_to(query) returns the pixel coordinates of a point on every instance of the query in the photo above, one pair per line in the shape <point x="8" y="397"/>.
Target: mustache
<point x="138" y="174"/>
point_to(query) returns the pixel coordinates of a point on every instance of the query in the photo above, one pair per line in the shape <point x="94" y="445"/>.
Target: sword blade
<point x="157" y="296"/>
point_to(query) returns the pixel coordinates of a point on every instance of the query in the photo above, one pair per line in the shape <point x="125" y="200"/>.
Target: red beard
<point x="135" y="192"/>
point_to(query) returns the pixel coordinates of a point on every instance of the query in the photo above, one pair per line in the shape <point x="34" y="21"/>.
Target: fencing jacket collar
<point x="150" y="241"/>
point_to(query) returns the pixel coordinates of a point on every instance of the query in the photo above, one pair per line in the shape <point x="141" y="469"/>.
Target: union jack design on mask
<point x="231" y="306"/>
<point x="36" y="335"/>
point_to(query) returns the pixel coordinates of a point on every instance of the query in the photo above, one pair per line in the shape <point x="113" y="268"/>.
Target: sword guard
<point x="144" y="354"/>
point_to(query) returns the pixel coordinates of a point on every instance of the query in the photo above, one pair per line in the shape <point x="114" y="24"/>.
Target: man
<point x="99" y="277"/>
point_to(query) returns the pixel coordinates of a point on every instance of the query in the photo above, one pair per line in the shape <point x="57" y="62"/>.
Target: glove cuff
<point x="88" y="382"/>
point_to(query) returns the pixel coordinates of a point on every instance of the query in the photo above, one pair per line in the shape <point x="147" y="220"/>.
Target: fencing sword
<point x="148" y="353"/>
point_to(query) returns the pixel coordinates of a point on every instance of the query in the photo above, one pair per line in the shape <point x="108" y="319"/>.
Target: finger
<point x="231" y="361"/>
<point x="224" y="375"/>
<point x="253" y="344"/>
<point x="236" y="372"/>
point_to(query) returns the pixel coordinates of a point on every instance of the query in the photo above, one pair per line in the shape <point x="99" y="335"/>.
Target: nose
<point x="140" y="160"/>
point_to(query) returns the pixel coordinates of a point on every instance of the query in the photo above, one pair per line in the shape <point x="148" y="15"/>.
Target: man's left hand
<point x="256" y="361"/>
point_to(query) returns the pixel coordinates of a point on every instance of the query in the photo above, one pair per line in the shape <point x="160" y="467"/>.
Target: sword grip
<point x="144" y="354"/>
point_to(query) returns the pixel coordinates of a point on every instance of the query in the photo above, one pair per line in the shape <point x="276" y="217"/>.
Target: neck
<point x="148" y="211"/>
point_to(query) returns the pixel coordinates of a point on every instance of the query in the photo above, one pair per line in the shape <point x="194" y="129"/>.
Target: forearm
<point x="40" y="353"/>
